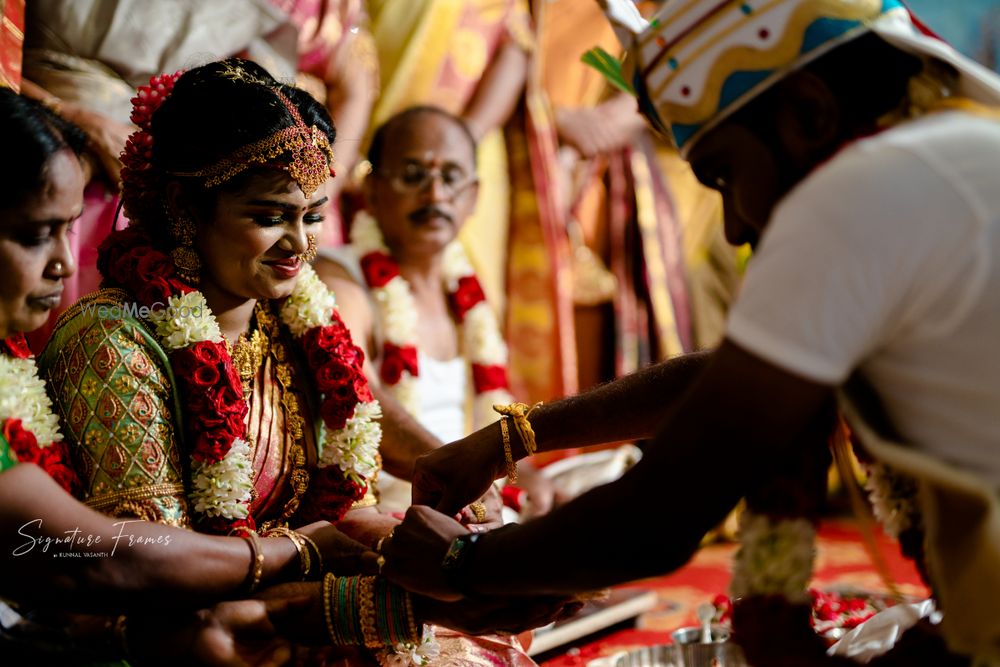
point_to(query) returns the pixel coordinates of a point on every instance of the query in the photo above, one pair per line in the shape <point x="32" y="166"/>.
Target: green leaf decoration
<point x="608" y="66"/>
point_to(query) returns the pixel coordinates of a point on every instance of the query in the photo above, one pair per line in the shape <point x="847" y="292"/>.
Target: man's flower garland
<point x="482" y="343"/>
<point x="893" y="499"/>
<point x="775" y="557"/>
<point x="26" y="416"/>
<point x="221" y="468"/>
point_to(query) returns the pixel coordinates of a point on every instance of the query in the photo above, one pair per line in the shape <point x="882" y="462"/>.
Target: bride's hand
<point x="491" y="507"/>
<point x="230" y="634"/>
<point x="341" y="553"/>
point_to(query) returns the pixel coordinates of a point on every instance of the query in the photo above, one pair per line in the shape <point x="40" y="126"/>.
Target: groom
<point x="860" y="157"/>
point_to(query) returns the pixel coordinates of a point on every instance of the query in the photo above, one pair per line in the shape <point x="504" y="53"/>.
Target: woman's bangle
<point x="329" y="583"/>
<point x="305" y="561"/>
<point x="369" y="611"/>
<point x="319" y="555"/>
<point x="256" y="572"/>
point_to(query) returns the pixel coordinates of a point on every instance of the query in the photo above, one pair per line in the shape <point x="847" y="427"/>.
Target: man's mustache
<point x="430" y="211"/>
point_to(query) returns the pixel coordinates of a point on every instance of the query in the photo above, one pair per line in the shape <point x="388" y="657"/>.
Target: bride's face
<point x="34" y="245"/>
<point x="251" y="248"/>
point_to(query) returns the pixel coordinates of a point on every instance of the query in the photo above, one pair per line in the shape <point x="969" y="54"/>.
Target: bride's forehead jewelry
<point x="310" y="162"/>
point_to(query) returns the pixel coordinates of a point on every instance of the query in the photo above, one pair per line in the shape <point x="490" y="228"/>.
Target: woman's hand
<point x="107" y="138"/>
<point x="296" y="611"/>
<point x="367" y="526"/>
<point x="341" y="552"/>
<point x="230" y="634"/>
<point x="491" y="507"/>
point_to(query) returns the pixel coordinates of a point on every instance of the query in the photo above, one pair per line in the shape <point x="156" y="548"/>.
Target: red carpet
<point x="842" y="564"/>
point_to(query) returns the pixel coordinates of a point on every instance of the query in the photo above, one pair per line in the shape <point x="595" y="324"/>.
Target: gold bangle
<point x="256" y="572"/>
<point x="511" y="466"/>
<point x="411" y="619"/>
<point x="520" y="412"/>
<point x="369" y="628"/>
<point x="305" y="562"/>
<point x="319" y="555"/>
<point x="328" y="583"/>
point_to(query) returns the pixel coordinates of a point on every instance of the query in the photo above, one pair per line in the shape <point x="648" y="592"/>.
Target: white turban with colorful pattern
<point x="698" y="61"/>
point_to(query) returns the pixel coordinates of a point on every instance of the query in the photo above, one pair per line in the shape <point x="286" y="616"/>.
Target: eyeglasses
<point x="415" y="177"/>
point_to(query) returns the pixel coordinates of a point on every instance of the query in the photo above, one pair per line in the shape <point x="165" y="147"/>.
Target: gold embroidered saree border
<point x="108" y="500"/>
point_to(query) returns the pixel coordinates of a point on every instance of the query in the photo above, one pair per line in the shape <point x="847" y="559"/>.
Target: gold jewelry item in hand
<point x="479" y="509"/>
<point x="520" y="412"/>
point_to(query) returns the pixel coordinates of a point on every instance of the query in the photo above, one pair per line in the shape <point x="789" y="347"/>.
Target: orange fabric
<point x="569" y="29"/>
<point x="11" y="42"/>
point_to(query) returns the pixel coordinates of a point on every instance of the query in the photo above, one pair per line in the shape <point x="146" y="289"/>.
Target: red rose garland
<point x="24" y="399"/>
<point x="213" y="391"/>
<point x="484" y="347"/>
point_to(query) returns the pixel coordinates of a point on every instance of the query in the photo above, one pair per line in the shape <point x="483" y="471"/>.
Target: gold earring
<point x="186" y="260"/>
<point x="310" y="253"/>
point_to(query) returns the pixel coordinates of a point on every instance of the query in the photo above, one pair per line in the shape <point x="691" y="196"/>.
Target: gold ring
<point x="479" y="509"/>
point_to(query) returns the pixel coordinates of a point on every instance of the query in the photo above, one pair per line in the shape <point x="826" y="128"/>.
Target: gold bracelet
<point x="369" y="628"/>
<point x="305" y="562"/>
<point x="520" y="412"/>
<point x="416" y="634"/>
<point x="256" y="572"/>
<point x="511" y="466"/>
<point x="319" y="555"/>
<point x="328" y="583"/>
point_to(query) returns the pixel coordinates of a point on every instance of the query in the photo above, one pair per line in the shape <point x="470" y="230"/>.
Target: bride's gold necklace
<point x="299" y="476"/>
<point x="248" y="354"/>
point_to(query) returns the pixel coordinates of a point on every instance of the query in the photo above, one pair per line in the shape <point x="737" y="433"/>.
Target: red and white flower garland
<point x="483" y="345"/>
<point x="26" y="416"/>
<point x="221" y="469"/>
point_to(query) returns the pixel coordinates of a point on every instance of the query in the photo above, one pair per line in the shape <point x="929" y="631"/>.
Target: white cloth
<point x="880" y="633"/>
<point x="886" y="260"/>
<point x="442" y="386"/>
